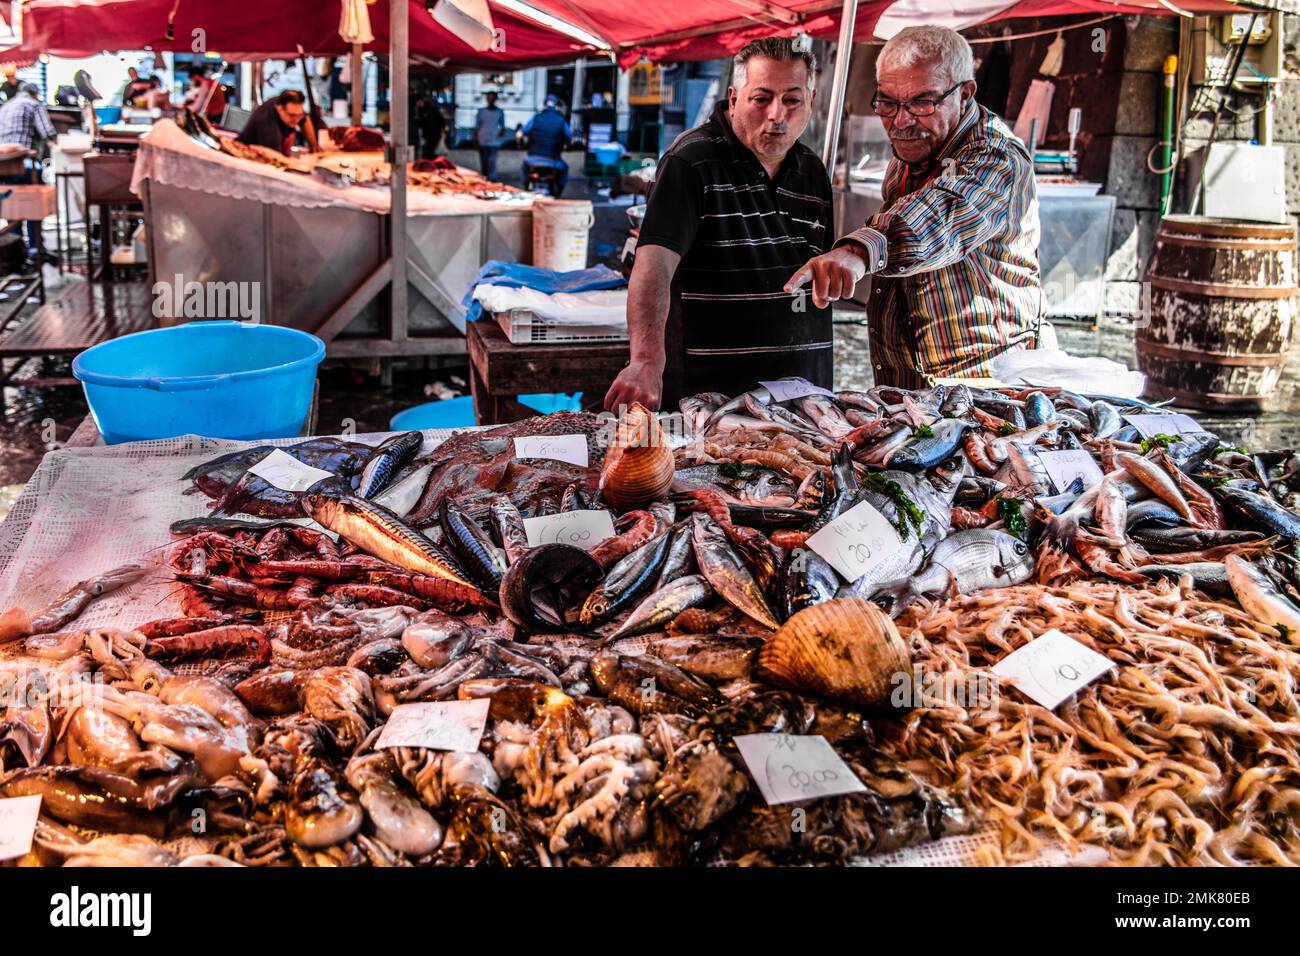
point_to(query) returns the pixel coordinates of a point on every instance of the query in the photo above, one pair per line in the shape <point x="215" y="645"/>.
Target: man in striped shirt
<point x="737" y="205"/>
<point x="953" y="254"/>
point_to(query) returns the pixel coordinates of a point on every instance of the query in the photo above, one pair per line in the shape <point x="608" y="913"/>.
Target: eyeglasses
<point x="918" y="106"/>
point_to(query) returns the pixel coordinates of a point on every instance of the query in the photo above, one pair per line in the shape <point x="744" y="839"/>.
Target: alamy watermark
<point x="179" y="299"/>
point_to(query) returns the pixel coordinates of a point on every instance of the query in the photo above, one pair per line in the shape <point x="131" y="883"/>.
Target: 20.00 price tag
<point x="1051" y="668"/>
<point x="792" y="767"/>
<point x="856" y="541"/>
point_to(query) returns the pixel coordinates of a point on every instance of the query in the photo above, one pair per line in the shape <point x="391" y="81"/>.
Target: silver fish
<point x="404" y="494"/>
<point x="939" y="445"/>
<point x="386" y="461"/>
<point x="1104" y="418"/>
<point x="969" y="561"/>
<point x="666" y="603"/>
<point x="1261" y="599"/>
<point x="1157" y="480"/>
<point x="830" y="421"/>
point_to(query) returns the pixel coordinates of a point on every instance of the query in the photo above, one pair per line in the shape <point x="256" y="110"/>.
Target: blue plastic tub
<point x="545" y="402"/>
<point x="216" y="379"/>
<point x="108" y="114"/>
<point x="449" y="413"/>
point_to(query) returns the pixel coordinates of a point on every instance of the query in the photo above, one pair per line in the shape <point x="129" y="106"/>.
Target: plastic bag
<point x="1055" y="368"/>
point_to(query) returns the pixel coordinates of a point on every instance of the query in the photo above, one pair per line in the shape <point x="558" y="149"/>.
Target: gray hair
<point x="934" y="45"/>
<point x="781" y="49"/>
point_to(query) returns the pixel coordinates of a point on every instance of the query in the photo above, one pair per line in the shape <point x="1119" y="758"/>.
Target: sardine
<point x="664" y="604"/>
<point x="726" y="572"/>
<point x="732" y="406"/>
<point x="386" y="461"/>
<point x="1111" y="510"/>
<point x="1261" y="599"/>
<point x="626" y="581"/>
<point x="483" y="561"/>
<point x="509" y="524"/>
<point x="681" y="554"/>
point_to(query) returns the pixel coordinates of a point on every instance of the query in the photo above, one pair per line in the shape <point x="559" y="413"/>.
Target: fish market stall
<point x="968" y="625"/>
<point x="311" y="233"/>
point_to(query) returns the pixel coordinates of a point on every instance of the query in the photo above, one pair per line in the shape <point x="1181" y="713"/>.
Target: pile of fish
<point x="620" y="674"/>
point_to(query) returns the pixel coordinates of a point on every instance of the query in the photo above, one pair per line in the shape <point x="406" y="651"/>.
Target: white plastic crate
<point x="525" y="327"/>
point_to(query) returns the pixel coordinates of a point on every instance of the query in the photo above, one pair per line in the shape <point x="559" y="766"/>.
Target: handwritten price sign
<point x="448" y="725"/>
<point x="788" y="389"/>
<point x="1051" y="668"/>
<point x="1068" y="464"/>
<point x="570" y="448"/>
<point x="855" y="541"/>
<point x="287" y="473"/>
<point x="582" y="529"/>
<point x="791" y="767"/>
<point x="17" y="824"/>
<point x="1176" y="423"/>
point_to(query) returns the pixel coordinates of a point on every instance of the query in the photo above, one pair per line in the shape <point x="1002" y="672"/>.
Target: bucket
<point x="215" y="379"/>
<point x="547" y="402"/>
<point x="448" y="413"/>
<point x="1223" y="311"/>
<point x="560" y="228"/>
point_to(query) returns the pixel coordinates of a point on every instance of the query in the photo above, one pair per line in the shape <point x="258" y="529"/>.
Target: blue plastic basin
<point x="449" y="413"/>
<point x="547" y="402"/>
<point x="216" y="379"/>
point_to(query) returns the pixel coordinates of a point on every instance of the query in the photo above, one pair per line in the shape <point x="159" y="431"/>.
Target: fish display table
<point x="500" y="370"/>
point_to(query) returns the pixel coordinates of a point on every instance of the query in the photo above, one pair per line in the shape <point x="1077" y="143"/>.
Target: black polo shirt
<point x="265" y="128"/>
<point x="741" y="235"/>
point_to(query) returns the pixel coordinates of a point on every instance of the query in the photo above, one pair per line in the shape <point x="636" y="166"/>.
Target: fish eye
<point x="1020" y="549"/>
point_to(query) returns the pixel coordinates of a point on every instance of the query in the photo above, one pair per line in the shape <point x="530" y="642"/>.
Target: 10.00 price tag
<point x="1051" y="668"/>
<point x="792" y="767"/>
<point x="856" y="541"/>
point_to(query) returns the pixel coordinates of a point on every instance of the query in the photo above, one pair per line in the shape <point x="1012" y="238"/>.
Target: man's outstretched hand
<point x="638" y="382"/>
<point x="833" y="275"/>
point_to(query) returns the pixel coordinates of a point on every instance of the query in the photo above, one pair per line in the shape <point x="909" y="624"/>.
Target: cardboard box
<point x="27" y="202"/>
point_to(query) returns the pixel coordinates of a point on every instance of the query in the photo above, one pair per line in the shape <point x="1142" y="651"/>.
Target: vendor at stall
<point x="276" y="123"/>
<point x="546" y="134"/>
<point x="737" y="205"/>
<point x="953" y="254"/>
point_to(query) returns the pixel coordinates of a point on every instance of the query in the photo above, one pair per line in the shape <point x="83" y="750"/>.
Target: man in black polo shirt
<point x="738" y="204"/>
<point x="276" y="123"/>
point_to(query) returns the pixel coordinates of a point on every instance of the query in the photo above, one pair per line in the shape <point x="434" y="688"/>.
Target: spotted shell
<point x="844" y="649"/>
<point x="639" y="464"/>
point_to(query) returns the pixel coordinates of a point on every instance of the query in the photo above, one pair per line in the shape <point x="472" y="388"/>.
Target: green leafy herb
<point x="1217" y="481"/>
<point x="1226" y="448"/>
<point x="736" y="471"/>
<point x="923" y="431"/>
<point x="1284" y="630"/>
<point x="1161" y="440"/>
<point x="1010" y="510"/>
<point x="908" y="512"/>
<point x="1006" y="428"/>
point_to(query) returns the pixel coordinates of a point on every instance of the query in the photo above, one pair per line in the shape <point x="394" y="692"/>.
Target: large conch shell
<point x="639" y="465"/>
<point x="844" y="649"/>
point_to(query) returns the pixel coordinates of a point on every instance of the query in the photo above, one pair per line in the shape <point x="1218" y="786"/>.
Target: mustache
<point x="912" y="133"/>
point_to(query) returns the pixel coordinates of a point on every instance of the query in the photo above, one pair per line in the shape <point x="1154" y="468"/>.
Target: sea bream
<point x="966" y="561"/>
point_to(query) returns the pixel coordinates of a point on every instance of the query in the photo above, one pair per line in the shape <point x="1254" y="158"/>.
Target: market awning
<point x="273" y="29"/>
<point x="706" y="29"/>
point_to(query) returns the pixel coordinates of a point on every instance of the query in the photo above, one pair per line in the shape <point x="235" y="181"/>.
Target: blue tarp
<point x="517" y="276"/>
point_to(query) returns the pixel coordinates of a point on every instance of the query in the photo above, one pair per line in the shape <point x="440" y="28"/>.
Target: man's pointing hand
<point x="833" y="274"/>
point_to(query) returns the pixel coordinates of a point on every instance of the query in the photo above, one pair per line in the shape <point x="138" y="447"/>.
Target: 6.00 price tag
<point x="791" y="767"/>
<point x="582" y="529"/>
<point x="856" y="541"/>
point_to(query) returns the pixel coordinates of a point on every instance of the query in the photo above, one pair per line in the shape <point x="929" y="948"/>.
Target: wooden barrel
<point x="1222" y="311"/>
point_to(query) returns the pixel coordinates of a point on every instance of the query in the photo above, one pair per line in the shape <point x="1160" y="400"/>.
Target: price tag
<point x="570" y="448"/>
<point x="1051" y="668"/>
<point x="445" y="725"/>
<point x="792" y="767"/>
<point x="17" y="824"/>
<point x="287" y="473"/>
<point x="855" y="542"/>
<point x="582" y="529"/>
<point x="788" y="389"/>
<point x="1068" y="464"/>
<point x="1176" y="423"/>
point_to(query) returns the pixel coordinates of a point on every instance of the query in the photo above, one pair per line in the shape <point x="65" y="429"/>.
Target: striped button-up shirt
<point x="23" y="119"/>
<point x="954" y="257"/>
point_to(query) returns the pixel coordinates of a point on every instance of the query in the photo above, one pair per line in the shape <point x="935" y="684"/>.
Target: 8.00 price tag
<point x="856" y="541"/>
<point x="582" y="529"/>
<point x="792" y="767"/>
<point x="570" y="448"/>
<point x="1051" y="668"/>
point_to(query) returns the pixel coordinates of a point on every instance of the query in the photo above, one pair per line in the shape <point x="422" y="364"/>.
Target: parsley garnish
<point x="1162" y="440"/>
<point x="908" y="512"/>
<point x="1006" y="428"/>
<point x="923" y="431"/>
<point x="1010" y="511"/>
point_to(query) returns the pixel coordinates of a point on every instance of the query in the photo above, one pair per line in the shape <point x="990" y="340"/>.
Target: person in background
<point x="276" y="123"/>
<point x="432" y="125"/>
<point x="10" y="86"/>
<point x="136" y="86"/>
<point x="198" y="98"/>
<point x="25" y="121"/>
<point x="489" y="131"/>
<point x="547" y="134"/>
